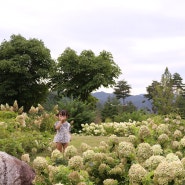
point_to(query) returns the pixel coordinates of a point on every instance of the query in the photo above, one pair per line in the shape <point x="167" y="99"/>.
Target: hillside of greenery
<point x="150" y="151"/>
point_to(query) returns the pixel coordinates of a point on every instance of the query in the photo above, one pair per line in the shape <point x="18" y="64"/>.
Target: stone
<point x="14" y="171"/>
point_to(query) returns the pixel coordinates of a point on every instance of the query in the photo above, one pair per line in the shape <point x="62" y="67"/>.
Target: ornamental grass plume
<point x="15" y="106"/>
<point x="152" y="163"/>
<point x="21" y="119"/>
<point x="70" y="151"/>
<point x="144" y="151"/>
<point x="136" y="174"/>
<point x="126" y="149"/>
<point x="33" y="110"/>
<point x="157" y="149"/>
<point x="76" y="163"/>
<point x="110" y="182"/>
<point x="40" y="163"/>
<point x="3" y="108"/>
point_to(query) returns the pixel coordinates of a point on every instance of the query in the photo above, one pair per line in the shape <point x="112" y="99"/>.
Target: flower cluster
<point x="25" y="158"/>
<point x="152" y="163"/>
<point x="136" y="174"/>
<point x="177" y="134"/>
<point x="144" y="132"/>
<point x="157" y="149"/>
<point x="163" y="129"/>
<point x="84" y="147"/>
<point x="88" y="155"/>
<point x="163" y="139"/>
<point x="76" y="162"/>
<point x="70" y="151"/>
<point x="110" y="182"/>
<point x="126" y="149"/>
<point x="144" y="151"/>
<point x="40" y="163"/>
<point x="56" y="154"/>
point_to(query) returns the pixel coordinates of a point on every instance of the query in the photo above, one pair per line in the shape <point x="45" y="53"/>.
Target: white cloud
<point x="144" y="36"/>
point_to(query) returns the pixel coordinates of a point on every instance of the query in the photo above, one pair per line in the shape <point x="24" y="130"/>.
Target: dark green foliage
<point x="25" y="67"/>
<point x="136" y="116"/>
<point x="79" y="75"/>
<point x="111" y="108"/>
<point x="79" y="112"/>
<point x="122" y="90"/>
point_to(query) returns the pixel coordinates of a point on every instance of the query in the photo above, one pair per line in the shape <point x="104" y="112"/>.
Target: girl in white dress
<point x="63" y="136"/>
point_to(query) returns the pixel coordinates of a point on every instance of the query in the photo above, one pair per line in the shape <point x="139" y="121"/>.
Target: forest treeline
<point x="29" y="75"/>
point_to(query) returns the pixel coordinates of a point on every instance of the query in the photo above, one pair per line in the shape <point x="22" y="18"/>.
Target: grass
<point x="90" y="140"/>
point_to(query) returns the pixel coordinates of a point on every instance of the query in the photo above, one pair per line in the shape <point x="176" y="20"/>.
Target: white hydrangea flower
<point x="70" y="151"/>
<point x="144" y="151"/>
<point x="25" y="158"/>
<point x="56" y="154"/>
<point x="136" y="174"/>
<point x="172" y="157"/>
<point x="110" y="182"/>
<point x="40" y="163"/>
<point x="182" y="142"/>
<point x="157" y="149"/>
<point x="76" y="162"/>
<point x="126" y="149"/>
<point x="152" y="163"/>
<point x="88" y="155"/>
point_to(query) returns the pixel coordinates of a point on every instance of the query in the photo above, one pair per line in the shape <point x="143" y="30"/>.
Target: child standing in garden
<point x="63" y="136"/>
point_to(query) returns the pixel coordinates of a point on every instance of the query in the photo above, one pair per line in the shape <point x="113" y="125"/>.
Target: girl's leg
<point x="64" y="146"/>
<point x="59" y="147"/>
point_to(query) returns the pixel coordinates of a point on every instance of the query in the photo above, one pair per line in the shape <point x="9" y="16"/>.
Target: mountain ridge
<point x="139" y="101"/>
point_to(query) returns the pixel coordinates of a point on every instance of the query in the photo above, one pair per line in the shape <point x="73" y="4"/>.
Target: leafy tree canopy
<point x="79" y="75"/>
<point x="25" y="67"/>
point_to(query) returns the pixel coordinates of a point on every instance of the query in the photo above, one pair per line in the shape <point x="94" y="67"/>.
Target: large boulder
<point x="14" y="171"/>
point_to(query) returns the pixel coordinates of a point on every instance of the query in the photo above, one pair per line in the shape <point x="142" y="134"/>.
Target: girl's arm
<point x="58" y="125"/>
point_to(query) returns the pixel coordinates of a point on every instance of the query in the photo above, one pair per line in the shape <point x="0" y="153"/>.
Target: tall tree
<point x="122" y="90"/>
<point x="79" y="75"/>
<point x="161" y="94"/>
<point x="25" y="67"/>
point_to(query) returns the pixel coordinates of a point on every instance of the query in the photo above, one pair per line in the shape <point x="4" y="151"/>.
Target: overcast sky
<point x="144" y="36"/>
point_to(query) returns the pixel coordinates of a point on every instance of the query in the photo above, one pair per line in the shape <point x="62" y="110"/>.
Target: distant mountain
<point x="138" y="100"/>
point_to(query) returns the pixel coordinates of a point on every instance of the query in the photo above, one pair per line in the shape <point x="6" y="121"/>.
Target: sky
<point x="144" y="36"/>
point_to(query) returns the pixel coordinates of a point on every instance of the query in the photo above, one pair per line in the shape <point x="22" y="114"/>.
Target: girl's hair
<point x="63" y="113"/>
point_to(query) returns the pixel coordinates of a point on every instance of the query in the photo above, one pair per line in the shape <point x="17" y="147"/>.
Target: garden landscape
<point x="145" y="152"/>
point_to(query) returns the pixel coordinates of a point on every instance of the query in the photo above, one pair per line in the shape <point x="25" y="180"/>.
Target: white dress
<point x="63" y="134"/>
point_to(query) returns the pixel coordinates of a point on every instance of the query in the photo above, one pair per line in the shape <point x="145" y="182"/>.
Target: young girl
<point x="62" y="137"/>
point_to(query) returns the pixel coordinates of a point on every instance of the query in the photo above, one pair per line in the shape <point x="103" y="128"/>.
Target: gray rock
<point x="14" y="171"/>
